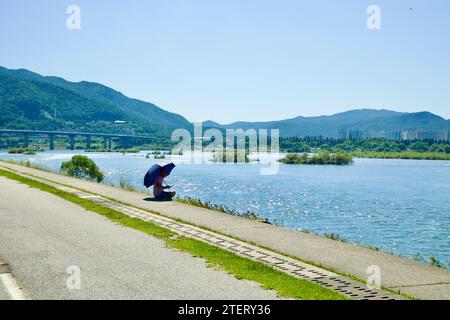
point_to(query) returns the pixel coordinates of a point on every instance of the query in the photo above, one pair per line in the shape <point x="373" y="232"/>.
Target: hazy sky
<point x="230" y="60"/>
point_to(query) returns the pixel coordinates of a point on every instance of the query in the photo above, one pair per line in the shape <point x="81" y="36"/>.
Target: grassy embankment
<point x="241" y="268"/>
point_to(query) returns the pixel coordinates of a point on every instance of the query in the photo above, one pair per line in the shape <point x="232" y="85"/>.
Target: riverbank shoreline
<point x="410" y="277"/>
<point x="363" y="204"/>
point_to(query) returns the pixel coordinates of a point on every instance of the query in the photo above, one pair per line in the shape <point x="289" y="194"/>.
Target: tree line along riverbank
<point x="379" y="145"/>
<point x="341" y="152"/>
<point x="324" y="148"/>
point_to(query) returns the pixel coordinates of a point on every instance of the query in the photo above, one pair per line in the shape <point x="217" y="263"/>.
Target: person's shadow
<point x="151" y="199"/>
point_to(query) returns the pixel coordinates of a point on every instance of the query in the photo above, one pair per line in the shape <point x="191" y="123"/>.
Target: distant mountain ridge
<point x="32" y="101"/>
<point x="369" y="120"/>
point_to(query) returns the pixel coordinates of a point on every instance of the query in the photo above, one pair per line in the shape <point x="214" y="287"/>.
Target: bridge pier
<point x="107" y="143"/>
<point x="26" y="141"/>
<point x="88" y="142"/>
<point x="124" y="143"/>
<point x="1" y="135"/>
<point x="51" y="137"/>
<point x="72" y="142"/>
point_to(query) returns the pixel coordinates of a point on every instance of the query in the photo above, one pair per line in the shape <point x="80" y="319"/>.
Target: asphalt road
<point x="57" y="250"/>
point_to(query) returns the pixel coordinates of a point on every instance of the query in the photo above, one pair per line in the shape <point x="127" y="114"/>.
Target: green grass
<point x="125" y="185"/>
<point x="335" y="237"/>
<point x="28" y="164"/>
<point x="211" y="206"/>
<point x="242" y="268"/>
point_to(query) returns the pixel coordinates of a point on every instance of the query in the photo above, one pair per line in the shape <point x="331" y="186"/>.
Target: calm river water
<point x="400" y="206"/>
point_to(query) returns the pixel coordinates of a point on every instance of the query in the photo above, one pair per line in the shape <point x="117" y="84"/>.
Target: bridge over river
<point x="107" y="138"/>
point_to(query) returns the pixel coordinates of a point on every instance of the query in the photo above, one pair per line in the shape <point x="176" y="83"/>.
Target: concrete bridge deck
<point x="71" y="134"/>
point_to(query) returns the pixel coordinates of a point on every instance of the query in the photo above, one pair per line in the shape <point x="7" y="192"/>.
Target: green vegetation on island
<point x="158" y="155"/>
<point x="323" y="158"/>
<point x="27" y="151"/>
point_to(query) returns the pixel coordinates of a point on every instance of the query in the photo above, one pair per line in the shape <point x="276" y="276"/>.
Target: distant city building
<point x="395" y="135"/>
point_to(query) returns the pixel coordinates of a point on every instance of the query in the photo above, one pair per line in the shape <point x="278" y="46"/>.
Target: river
<point x="399" y="206"/>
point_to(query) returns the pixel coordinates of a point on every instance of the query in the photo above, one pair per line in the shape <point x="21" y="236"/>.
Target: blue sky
<point x="230" y="60"/>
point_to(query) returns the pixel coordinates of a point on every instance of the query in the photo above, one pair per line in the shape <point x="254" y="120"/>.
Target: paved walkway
<point x="4" y="295"/>
<point x="9" y="287"/>
<point x="47" y="240"/>
<point x="408" y="276"/>
<point x="4" y="292"/>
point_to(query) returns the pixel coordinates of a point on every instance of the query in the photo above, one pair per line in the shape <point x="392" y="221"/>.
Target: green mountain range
<point x="31" y="101"/>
